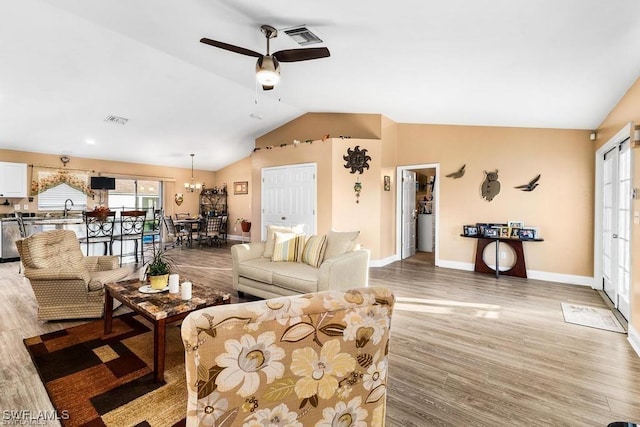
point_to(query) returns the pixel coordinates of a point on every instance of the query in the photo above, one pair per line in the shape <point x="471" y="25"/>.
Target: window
<point x="55" y="186"/>
<point x="54" y="198"/>
<point x="135" y="194"/>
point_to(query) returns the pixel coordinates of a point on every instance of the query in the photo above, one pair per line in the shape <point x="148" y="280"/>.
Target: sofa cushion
<point x="313" y="252"/>
<point x="296" y="276"/>
<point x="257" y="269"/>
<point x="271" y="239"/>
<point x="338" y="242"/>
<point x="287" y="247"/>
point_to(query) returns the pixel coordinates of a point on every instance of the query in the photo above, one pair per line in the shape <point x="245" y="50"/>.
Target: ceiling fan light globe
<point x="268" y="71"/>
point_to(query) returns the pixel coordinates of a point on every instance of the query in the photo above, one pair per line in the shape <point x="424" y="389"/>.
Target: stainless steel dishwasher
<point x="9" y="233"/>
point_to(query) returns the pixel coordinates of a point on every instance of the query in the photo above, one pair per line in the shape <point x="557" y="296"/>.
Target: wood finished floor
<point x="467" y="349"/>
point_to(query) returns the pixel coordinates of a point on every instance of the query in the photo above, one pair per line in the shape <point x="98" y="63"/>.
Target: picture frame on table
<point x="504" y="232"/>
<point x="514" y="232"/>
<point x="491" y="233"/>
<point x="470" y="230"/>
<point x="482" y="226"/>
<point x="528" y="233"/>
<point x="516" y="224"/>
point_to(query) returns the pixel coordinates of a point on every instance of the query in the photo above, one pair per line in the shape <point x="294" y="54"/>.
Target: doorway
<point x="417" y="208"/>
<point x="613" y="220"/>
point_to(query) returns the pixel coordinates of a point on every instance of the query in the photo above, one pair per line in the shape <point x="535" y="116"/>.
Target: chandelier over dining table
<point x="192" y="185"/>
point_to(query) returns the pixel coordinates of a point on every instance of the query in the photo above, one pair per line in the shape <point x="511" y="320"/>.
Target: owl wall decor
<point x="490" y="185"/>
<point x="356" y="159"/>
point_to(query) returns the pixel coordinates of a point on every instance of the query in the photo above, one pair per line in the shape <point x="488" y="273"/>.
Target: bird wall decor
<point x="490" y="185"/>
<point x="458" y="174"/>
<point x="531" y="185"/>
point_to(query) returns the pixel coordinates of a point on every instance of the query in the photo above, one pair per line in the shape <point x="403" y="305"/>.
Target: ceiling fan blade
<point x="230" y="47"/>
<point x="296" y="55"/>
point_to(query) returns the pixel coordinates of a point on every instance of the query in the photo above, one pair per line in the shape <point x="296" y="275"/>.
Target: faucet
<point x="66" y="209"/>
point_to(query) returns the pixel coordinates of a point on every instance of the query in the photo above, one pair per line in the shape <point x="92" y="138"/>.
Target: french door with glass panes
<point x="616" y="225"/>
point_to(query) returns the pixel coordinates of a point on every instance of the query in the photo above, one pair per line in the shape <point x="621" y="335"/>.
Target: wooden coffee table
<point x="160" y="309"/>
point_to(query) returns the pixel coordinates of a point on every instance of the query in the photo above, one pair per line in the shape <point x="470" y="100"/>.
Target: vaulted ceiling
<point x="65" y="65"/>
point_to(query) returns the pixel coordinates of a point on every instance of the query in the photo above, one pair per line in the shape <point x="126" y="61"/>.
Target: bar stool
<point x="131" y="229"/>
<point x="99" y="226"/>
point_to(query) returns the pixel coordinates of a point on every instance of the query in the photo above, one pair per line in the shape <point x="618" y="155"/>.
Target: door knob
<point x="615" y="236"/>
<point x="283" y="218"/>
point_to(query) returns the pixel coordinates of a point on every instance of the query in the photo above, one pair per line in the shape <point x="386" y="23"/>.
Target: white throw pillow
<point x="338" y="242"/>
<point x="271" y="239"/>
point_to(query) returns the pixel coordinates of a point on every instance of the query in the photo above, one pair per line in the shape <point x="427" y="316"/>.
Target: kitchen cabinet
<point x="13" y="180"/>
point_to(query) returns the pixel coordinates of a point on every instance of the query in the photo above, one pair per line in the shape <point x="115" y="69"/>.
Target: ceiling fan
<point x="268" y="66"/>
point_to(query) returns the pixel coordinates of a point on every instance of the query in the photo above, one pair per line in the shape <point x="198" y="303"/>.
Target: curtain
<point x="44" y="179"/>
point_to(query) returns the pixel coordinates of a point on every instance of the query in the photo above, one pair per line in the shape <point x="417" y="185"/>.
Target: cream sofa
<point x="343" y="266"/>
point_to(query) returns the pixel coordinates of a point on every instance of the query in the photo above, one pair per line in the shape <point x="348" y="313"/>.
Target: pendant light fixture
<point x="192" y="185"/>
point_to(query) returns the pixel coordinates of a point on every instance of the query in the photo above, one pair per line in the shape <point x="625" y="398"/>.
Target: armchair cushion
<point x="309" y="360"/>
<point x="55" y="248"/>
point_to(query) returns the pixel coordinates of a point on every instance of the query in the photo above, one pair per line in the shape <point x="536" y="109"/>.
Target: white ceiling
<point x="67" y="64"/>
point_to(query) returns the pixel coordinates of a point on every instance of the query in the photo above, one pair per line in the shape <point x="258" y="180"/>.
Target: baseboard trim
<point x="634" y="339"/>
<point x="384" y="261"/>
<point x="235" y="237"/>
<point x="531" y="274"/>
<point x="456" y="265"/>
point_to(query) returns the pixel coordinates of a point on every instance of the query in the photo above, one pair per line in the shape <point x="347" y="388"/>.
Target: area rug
<point x="593" y="317"/>
<point x="97" y="380"/>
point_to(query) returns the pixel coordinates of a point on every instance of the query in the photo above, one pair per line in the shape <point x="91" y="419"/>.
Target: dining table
<point x="191" y="225"/>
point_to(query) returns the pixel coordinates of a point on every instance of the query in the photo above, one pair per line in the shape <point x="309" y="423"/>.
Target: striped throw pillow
<point x="287" y="246"/>
<point x="313" y="252"/>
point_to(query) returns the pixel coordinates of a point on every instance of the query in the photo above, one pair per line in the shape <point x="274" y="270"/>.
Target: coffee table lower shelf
<point x="160" y="309"/>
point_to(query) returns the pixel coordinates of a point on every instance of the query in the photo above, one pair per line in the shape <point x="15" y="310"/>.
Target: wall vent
<point x="303" y="36"/>
<point x="116" y="120"/>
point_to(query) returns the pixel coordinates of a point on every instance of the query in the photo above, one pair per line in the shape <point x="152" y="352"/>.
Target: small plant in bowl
<point x="158" y="270"/>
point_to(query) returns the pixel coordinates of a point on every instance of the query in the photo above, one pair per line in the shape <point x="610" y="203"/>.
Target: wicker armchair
<point x="307" y="360"/>
<point x="67" y="284"/>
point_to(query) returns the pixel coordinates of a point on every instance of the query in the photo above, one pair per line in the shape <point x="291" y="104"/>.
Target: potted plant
<point x="158" y="270"/>
<point x="245" y="224"/>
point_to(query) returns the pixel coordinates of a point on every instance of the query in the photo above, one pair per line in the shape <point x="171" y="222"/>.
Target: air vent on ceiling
<point x="303" y="36"/>
<point x="116" y="120"/>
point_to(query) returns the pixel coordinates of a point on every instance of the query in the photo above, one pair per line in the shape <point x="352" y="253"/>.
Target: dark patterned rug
<point x="102" y="380"/>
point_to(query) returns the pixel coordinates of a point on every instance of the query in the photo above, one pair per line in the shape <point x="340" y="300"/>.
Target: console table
<point x="519" y="268"/>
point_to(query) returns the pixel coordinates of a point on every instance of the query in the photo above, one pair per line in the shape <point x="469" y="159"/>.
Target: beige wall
<point x="365" y="215"/>
<point x="106" y="167"/>
<point x="314" y="126"/>
<point x="561" y="207"/>
<point x="239" y="205"/>
<point x="628" y="110"/>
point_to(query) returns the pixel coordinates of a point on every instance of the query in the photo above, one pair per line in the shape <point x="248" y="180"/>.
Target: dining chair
<point x="182" y="215"/>
<point x="210" y="231"/>
<point x="174" y="235"/>
<point x="131" y="228"/>
<point x="99" y="229"/>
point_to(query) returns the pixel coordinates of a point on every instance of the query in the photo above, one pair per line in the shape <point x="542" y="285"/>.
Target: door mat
<point x="593" y="317"/>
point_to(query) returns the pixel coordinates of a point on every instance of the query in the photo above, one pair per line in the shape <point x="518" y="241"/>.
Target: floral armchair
<point x="317" y="359"/>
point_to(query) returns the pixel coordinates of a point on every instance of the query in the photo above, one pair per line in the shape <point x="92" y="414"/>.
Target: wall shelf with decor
<point x="213" y="201"/>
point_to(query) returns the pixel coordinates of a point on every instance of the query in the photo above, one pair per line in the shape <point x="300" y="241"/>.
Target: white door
<point x="289" y="197"/>
<point x="616" y="226"/>
<point x="408" y="213"/>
